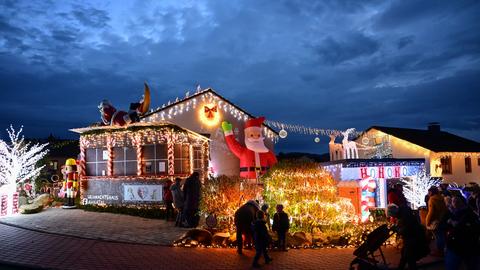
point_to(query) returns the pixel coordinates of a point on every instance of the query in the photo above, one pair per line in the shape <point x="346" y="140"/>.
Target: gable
<point x="192" y="102"/>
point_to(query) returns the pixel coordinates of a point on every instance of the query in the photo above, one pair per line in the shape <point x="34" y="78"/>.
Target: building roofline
<point x="208" y="90"/>
<point x="135" y="125"/>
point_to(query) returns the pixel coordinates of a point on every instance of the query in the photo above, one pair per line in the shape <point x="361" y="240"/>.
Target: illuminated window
<point x="181" y="159"/>
<point x="446" y="165"/>
<point x="54" y="164"/>
<point x="468" y="164"/>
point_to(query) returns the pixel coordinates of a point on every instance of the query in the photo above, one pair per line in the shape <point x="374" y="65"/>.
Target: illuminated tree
<point x="416" y="188"/>
<point x="222" y="196"/>
<point x="308" y="194"/>
<point x="18" y="160"/>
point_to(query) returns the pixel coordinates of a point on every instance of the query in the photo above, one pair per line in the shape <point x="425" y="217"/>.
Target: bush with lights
<point x="308" y="194"/>
<point x="222" y="196"/>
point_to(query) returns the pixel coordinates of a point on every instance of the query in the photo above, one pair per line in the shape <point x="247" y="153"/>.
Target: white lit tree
<point x="18" y="160"/>
<point x="416" y="188"/>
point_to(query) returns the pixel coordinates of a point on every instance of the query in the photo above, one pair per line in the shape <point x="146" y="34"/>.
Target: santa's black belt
<point x="252" y="169"/>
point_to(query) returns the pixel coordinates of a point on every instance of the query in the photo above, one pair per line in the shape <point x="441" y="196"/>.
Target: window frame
<point x="446" y="165"/>
<point x="468" y="165"/>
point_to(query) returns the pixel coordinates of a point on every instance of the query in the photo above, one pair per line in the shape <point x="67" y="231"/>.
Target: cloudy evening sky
<point x="326" y="64"/>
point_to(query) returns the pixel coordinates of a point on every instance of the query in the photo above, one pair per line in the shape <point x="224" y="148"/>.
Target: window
<point x="197" y="158"/>
<point x="182" y="158"/>
<point x="54" y="164"/>
<point x="155" y="159"/>
<point x="446" y="165"/>
<point x="96" y="161"/>
<point x="478" y="161"/>
<point x="468" y="164"/>
<point x="124" y="161"/>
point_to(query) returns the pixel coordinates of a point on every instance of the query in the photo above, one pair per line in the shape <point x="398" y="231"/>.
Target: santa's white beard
<point x="256" y="145"/>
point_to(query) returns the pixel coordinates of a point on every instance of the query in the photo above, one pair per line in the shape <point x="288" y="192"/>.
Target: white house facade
<point x="455" y="159"/>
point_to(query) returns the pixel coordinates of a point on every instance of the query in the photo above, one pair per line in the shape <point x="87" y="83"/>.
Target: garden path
<point x="101" y="226"/>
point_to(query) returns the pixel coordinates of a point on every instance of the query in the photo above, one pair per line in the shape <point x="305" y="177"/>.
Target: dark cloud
<point x="91" y="17"/>
<point x="326" y="64"/>
<point x="404" y="41"/>
<point x="349" y="46"/>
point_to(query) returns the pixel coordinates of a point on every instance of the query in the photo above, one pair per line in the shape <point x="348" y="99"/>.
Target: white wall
<point x="459" y="175"/>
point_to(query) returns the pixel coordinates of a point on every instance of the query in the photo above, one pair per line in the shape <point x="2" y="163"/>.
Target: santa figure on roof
<point x="255" y="157"/>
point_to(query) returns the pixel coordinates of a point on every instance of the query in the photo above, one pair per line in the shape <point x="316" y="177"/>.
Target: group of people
<point x="184" y="200"/>
<point x="260" y="227"/>
<point x="453" y="222"/>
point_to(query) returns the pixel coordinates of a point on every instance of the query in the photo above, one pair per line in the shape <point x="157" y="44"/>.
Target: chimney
<point x="434" y="127"/>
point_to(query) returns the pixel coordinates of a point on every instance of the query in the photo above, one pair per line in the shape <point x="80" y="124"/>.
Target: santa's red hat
<point x="255" y="122"/>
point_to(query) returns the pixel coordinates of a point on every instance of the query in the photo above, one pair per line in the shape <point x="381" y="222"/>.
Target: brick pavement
<point x="95" y="225"/>
<point x="24" y="247"/>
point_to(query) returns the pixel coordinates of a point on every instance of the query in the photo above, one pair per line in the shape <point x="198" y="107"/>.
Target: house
<point x="455" y="159"/>
<point x="128" y="165"/>
<point x="203" y="113"/>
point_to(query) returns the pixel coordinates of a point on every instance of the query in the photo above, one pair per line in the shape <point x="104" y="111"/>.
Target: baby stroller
<point x="365" y="257"/>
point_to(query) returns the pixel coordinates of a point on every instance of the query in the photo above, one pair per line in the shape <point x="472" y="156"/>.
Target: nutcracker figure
<point x="70" y="183"/>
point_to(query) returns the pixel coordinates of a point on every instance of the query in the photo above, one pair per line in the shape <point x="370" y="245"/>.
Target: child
<point x="261" y="238"/>
<point x="281" y="224"/>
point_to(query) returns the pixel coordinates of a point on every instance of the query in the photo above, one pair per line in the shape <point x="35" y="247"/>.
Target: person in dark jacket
<point x="415" y="244"/>
<point x="243" y="219"/>
<point x="168" y="200"/>
<point x="191" y="195"/>
<point x="463" y="232"/>
<point x="178" y="200"/>
<point x="281" y="224"/>
<point x="261" y="239"/>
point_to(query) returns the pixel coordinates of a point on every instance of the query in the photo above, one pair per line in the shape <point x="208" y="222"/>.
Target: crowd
<point x="451" y="221"/>
<point x="184" y="200"/>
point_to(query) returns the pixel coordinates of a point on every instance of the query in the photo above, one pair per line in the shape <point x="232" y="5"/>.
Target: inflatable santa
<point x="113" y="117"/>
<point x="255" y="157"/>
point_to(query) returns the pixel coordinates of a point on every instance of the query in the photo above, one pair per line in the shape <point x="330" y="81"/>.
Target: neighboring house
<point x="203" y="113"/>
<point x="446" y="155"/>
<point x="58" y="152"/>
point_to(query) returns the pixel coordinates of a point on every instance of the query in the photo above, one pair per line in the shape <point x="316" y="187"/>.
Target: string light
<point x="206" y="97"/>
<point x="308" y="194"/>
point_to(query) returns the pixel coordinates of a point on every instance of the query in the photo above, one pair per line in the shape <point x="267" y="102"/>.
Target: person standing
<point x="191" y="195"/>
<point x="168" y="200"/>
<point x="436" y="213"/>
<point x="463" y="232"/>
<point x="264" y="208"/>
<point x="177" y="193"/>
<point x="415" y="244"/>
<point x="281" y="224"/>
<point x="261" y="239"/>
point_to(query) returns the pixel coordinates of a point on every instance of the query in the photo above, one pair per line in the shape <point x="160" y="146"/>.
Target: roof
<point x="436" y="141"/>
<point x="134" y="126"/>
<point x="198" y="94"/>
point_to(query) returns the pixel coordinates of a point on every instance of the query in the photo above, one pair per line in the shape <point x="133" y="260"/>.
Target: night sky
<point x="326" y="64"/>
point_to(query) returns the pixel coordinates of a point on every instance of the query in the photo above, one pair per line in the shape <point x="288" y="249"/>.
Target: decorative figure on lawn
<point x="70" y="183"/>
<point x="112" y="117"/>
<point x="255" y="157"/>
